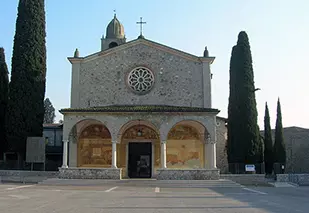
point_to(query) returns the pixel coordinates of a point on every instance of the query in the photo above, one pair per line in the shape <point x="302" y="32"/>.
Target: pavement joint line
<point x="111" y="189"/>
<point x="19" y="187"/>
<point x="256" y="191"/>
<point x="157" y="190"/>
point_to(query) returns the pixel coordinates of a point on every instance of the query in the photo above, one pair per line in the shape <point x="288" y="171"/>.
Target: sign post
<point x="250" y="168"/>
<point x="35" y="150"/>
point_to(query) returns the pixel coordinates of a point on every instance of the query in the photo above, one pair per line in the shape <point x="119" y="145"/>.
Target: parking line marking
<point x="157" y="189"/>
<point x="19" y="187"/>
<point x="111" y="189"/>
<point x="19" y="196"/>
<point x="256" y="191"/>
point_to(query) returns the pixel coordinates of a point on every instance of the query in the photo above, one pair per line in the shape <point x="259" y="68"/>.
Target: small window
<point x="112" y="44"/>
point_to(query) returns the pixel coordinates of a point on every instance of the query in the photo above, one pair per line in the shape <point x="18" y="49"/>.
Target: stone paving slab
<point x="128" y="199"/>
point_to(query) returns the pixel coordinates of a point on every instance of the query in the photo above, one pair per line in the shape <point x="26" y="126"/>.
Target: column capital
<point x="163" y="142"/>
<point x="114" y="141"/>
<point x="65" y="141"/>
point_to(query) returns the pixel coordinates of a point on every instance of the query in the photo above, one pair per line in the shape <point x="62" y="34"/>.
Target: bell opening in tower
<point x="112" y="44"/>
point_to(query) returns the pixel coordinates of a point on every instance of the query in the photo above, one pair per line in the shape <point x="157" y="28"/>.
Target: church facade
<point x="140" y="109"/>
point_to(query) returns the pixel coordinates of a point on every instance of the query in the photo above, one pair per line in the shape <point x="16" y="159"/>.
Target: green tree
<point x="245" y="142"/>
<point x="28" y="76"/>
<point x="279" y="146"/>
<point x="4" y="90"/>
<point x="232" y="154"/>
<point x="268" y="143"/>
<point x="49" y="116"/>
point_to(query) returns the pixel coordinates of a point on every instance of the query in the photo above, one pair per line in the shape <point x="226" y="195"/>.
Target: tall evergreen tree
<point x="28" y="77"/>
<point x="49" y="116"/>
<point x="4" y="89"/>
<point x="245" y="141"/>
<point x="279" y="146"/>
<point x="232" y="113"/>
<point x="268" y="144"/>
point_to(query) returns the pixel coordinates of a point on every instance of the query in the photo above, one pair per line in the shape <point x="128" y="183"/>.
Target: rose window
<point x="140" y="80"/>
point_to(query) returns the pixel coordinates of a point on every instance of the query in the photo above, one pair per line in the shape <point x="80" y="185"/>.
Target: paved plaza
<point x="113" y="198"/>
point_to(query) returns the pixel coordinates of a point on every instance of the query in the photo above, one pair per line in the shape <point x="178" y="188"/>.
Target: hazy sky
<point x="278" y="31"/>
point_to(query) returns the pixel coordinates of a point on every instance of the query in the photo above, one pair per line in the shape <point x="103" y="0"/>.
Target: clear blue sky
<point x="278" y="31"/>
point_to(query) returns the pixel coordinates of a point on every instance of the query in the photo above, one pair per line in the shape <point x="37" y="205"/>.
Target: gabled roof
<point x="147" y="43"/>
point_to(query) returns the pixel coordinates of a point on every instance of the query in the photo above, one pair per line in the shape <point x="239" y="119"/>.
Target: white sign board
<point x="250" y="168"/>
<point x="35" y="151"/>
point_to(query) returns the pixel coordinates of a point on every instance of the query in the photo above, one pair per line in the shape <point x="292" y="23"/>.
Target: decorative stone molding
<point x="163" y="142"/>
<point x="140" y="80"/>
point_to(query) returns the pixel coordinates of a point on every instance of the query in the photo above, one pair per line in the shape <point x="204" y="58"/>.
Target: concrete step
<point x="144" y="183"/>
<point x="22" y="179"/>
<point x="283" y="184"/>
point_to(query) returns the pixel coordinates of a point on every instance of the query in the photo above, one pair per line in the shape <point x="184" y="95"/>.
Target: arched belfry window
<point x="113" y="44"/>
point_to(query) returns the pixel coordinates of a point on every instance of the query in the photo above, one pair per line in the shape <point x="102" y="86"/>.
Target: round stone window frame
<point x="130" y="85"/>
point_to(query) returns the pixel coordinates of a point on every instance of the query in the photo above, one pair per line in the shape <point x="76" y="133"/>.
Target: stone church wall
<point x="221" y="154"/>
<point x="178" y="81"/>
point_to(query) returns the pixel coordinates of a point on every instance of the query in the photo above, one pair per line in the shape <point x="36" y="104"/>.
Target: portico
<point x="97" y="140"/>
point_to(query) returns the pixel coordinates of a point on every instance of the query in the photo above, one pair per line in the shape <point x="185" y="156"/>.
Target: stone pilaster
<point x="65" y="154"/>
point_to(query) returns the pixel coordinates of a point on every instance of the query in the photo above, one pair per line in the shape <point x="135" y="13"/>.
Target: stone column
<point x="206" y="156"/>
<point x="163" y="154"/>
<point x="212" y="157"/>
<point x="114" y="154"/>
<point x="65" y="154"/>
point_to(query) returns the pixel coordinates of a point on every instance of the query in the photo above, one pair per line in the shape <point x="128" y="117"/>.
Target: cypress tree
<point x="268" y="144"/>
<point x="28" y="77"/>
<point x="232" y="113"/>
<point x="4" y="89"/>
<point x="279" y="146"/>
<point x="245" y="141"/>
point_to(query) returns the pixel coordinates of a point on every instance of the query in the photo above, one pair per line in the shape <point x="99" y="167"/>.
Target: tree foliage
<point x="244" y="142"/>
<point x="268" y="144"/>
<point x="28" y="76"/>
<point x="4" y="89"/>
<point x="279" y="146"/>
<point x="49" y="116"/>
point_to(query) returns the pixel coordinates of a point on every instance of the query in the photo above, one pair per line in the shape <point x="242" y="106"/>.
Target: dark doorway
<point x="140" y="160"/>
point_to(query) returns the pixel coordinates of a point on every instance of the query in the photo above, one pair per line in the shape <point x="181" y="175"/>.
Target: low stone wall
<point x="23" y="173"/>
<point x="89" y="173"/>
<point x="299" y="179"/>
<point x="246" y="179"/>
<point x="23" y="176"/>
<point x="188" y="174"/>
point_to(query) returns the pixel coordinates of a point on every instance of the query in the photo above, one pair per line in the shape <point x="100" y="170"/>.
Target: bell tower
<point x="114" y="35"/>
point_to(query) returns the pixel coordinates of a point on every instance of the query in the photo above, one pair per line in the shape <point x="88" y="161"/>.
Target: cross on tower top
<point x="141" y="26"/>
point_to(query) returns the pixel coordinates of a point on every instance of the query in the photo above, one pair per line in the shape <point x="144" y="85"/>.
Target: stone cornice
<point x="149" y="43"/>
<point x="140" y="109"/>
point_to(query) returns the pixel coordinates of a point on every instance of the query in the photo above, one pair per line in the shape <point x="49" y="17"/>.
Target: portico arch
<point x="90" y="144"/>
<point x="185" y="145"/>
<point x="137" y="132"/>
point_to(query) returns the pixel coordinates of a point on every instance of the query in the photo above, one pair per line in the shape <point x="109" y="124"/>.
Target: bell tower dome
<point x="114" y="35"/>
